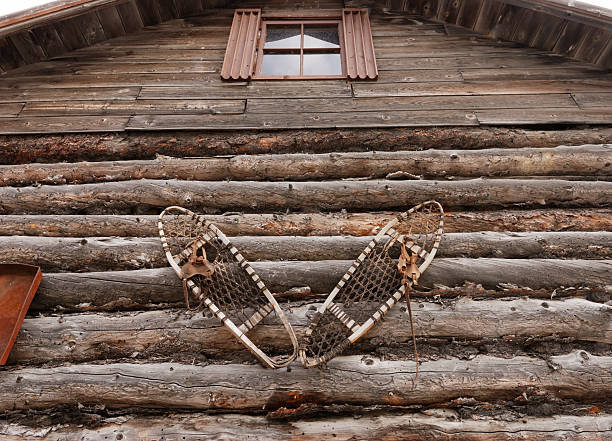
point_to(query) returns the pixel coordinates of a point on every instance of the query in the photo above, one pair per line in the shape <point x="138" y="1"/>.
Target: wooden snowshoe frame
<point x="227" y="284"/>
<point x="373" y="284"/>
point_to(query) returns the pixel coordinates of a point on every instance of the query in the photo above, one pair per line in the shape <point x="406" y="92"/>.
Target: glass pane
<point x="322" y="64"/>
<point x="282" y="37"/>
<point x="321" y="37"/>
<point x="280" y="64"/>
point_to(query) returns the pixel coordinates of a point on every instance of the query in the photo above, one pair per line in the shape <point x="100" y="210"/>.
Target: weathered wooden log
<point x="121" y="146"/>
<point x="315" y="224"/>
<point x="126" y="289"/>
<point x="151" y="196"/>
<point x="443" y="423"/>
<point x="354" y="380"/>
<point x="113" y="253"/>
<point x="80" y="338"/>
<point x="587" y="160"/>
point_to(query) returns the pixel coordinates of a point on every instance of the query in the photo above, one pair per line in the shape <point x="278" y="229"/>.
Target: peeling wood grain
<point x="308" y="224"/>
<point x="79" y="338"/>
<point x="384" y="427"/>
<point x="577" y="375"/>
<point x="151" y="196"/>
<point x="147" y="287"/>
<point x="112" y="253"/>
<point x="587" y="160"/>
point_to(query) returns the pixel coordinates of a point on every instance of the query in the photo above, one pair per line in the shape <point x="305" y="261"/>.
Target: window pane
<point x="322" y="64"/>
<point x="282" y="37"/>
<point x="280" y="64"/>
<point x="318" y="37"/>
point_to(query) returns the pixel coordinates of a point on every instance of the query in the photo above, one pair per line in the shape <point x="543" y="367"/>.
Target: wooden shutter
<point x="358" y="46"/>
<point x="239" y="61"/>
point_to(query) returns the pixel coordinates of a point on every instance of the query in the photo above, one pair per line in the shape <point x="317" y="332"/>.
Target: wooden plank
<point x="151" y="196"/>
<point x="167" y="10"/>
<point x="99" y="93"/>
<point x="263" y="90"/>
<point x="197" y="336"/>
<point x="417" y="75"/>
<point x="70" y="33"/>
<point x="570" y="39"/>
<point x="605" y="58"/>
<point x="66" y="70"/>
<point x="448" y="10"/>
<point x="10" y="109"/>
<point x="598" y="99"/>
<point x="61" y="125"/>
<point x="111" y="22"/>
<point x="588" y="161"/>
<point x="599" y="115"/>
<point x="401" y="103"/>
<point x="240" y="387"/>
<point x="140" y="107"/>
<point x="529" y="25"/>
<point x="148" y="12"/>
<point x="536" y="73"/>
<point x="94" y="81"/>
<point x="490" y="88"/>
<point x="10" y="58"/>
<point x="468" y="13"/>
<point x="130" y="17"/>
<point x="121" y="254"/>
<point x="308" y="224"/>
<point x="593" y="44"/>
<point x="497" y="62"/>
<point x="547" y="36"/>
<point x="198" y="426"/>
<point x="305" y="120"/>
<point x="90" y="27"/>
<point x="49" y="39"/>
<point x="30" y="51"/>
<point x="487" y="17"/>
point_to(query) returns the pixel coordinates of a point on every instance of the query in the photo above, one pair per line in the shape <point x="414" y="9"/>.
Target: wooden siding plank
<point x="99" y="93"/>
<point x="597" y="99"/>
<point x="576" y="72"/>
<point x="487" y="17"/>
<point x="472" y="62"/>
<point x="304" y="120"/>
<point x="295" y="106"/>
<point x="468" y="13"/>
<point x="10" y="109"/>
<point x="81" y="124"/>
<point x="600" y="115"/>
<point x="570" y="39"/>
<point x="605" y="58"/>
<point x="259" y="90"/>
<point x="140" y="107"/>
<point x="111" y="80"/>
<point x="547" y="36"/>
<point x="482" y="88"/>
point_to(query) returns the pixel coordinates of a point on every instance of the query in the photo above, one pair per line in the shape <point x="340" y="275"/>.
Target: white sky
<point x="10" y="6"/>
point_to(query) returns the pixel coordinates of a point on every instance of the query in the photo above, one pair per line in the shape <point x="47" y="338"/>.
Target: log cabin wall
<point x="515" y="335"/>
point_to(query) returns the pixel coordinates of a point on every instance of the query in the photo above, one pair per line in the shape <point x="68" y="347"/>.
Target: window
<point x="290" y="47"/>
<point x="300" y="49"/>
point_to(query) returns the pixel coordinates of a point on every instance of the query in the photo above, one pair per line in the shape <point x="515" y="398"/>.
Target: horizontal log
<point x="114" y="147"/>
<point x="587" y="160"/>
<point x="79" y="338"/>
<point x="151" y="196"/>
<point x="353" y="380"/>
<point x="142" y="288"/>
<point x="316" y="224"/>
<point x="441" y="423"/>
<point x="113" y="253"/>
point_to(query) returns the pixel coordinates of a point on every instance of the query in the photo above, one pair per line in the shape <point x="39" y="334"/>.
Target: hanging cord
<point x="410" y="275"/>
<point x="196" y="265"/>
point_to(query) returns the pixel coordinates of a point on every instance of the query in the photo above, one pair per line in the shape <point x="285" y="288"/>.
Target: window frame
<point x="297" y="20"/>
